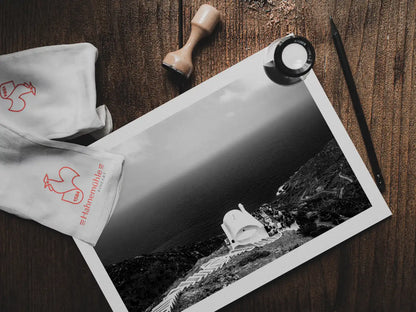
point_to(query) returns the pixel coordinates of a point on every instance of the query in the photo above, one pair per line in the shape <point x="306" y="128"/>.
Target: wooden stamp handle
<point x="203" y="23"/>
<point x="206" y="18"/>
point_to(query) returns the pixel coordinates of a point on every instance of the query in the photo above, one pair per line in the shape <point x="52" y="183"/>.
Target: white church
<point x="242" y="228"/>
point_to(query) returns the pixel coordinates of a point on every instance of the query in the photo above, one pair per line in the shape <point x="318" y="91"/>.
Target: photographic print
<point x="222" y="188"/>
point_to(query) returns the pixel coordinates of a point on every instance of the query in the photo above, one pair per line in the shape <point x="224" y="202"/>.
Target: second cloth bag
<point x="50" y="91"/>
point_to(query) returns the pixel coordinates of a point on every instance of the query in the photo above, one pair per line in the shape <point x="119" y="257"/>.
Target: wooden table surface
<point x="42" y="270"/>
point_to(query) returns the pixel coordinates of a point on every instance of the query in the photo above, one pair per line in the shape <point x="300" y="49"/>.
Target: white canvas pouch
<point x="70" y="188"/>
<point x="50" y="91"/>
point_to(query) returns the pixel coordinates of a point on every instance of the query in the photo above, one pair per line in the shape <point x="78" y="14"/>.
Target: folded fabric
<point x="50" y="91"/>
<point x="105" y="116"/>
<point x="70" y="188"/>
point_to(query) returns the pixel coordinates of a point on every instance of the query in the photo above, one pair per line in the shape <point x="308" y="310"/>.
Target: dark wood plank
<point x="379" y="37"/>
<point x="40" y="269"/>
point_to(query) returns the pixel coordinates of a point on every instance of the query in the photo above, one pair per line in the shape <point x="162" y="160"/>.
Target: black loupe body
<point x="288" y="60"/>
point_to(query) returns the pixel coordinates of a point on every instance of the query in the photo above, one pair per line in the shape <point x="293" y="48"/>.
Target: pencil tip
<point x="333" y="27"/>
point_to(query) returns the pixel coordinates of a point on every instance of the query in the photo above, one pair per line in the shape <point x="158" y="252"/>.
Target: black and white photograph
<point x="203" y="156"/>
<point x="222" y="188"/>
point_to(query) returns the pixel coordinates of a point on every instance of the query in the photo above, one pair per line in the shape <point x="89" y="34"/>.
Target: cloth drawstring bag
<point x="50" y="91"/>
<point x="68" y="187"/>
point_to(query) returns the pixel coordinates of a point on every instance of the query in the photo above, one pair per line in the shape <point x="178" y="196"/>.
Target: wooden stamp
<point x="203" y="23"/>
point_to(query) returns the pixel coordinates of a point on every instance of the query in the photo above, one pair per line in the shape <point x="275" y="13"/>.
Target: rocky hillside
<point x="143" y="279"/>
<point x="323" y="193"/>
<point x="238" y="267"/>
<point x="320" y="195"/>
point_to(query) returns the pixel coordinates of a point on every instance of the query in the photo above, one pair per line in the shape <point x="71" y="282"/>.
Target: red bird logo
<point x="65" y="186"/>
<point x="14" y="93"/>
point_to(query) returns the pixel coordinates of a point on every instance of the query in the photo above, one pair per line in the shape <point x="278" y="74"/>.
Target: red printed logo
<point x="65" y="186"/>
<point x="14" y="93"/>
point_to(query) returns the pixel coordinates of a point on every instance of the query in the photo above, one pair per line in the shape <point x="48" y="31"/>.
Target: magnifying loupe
<point x="288" y="60"/>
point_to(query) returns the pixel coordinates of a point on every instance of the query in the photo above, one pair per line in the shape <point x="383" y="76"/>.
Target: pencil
<point x="359" y="113"/>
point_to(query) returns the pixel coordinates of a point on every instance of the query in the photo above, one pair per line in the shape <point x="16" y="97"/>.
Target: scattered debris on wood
<point x="275" y="10"/>
<point x="284" y="10"/>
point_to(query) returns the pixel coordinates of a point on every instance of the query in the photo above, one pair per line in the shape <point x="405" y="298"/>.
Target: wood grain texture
<point x="41" y="270"/>
<point x="374" y="271"/>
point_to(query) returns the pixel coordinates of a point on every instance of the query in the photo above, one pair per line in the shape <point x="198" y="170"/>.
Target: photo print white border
<point x="249" y="67"/>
